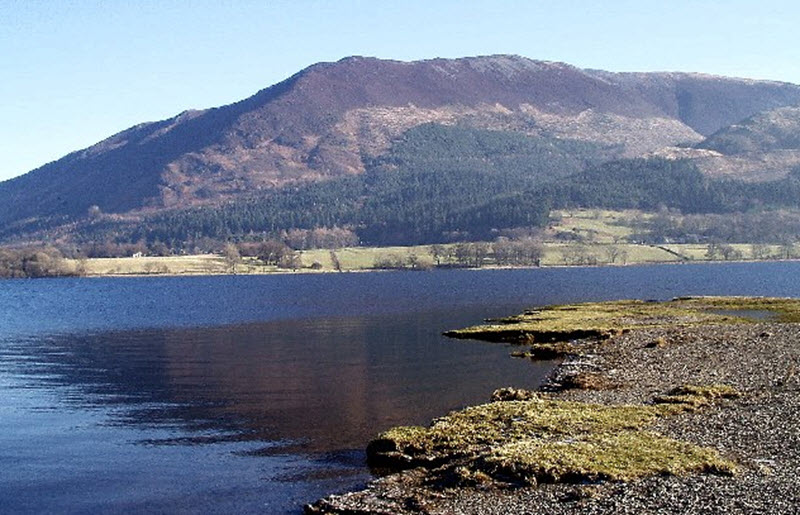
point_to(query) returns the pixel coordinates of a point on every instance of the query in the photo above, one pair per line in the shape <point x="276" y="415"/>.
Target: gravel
<point x="760" y="431"/>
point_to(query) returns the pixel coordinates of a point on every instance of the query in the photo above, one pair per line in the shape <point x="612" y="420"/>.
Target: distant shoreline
<point x="261" y="270"/>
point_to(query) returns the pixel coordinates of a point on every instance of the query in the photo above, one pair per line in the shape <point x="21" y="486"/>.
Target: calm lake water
<point x="259" y="394"/>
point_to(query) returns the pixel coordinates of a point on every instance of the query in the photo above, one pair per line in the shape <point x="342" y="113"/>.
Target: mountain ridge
<point x="329" y="119"/>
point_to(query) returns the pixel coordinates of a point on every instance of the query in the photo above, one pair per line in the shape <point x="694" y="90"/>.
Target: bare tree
<point x="613" y="253"/>
<point x="437" y="252"/>
<point x="463" y="252"/>
<point x="290" y="260"/>
<point x="479" y="252"/>
<point x="232" y="257"/>
<point x="503" y="250"/>
<point x="337" y="265"/>
<point x="786" y="250"/>
<point x="296" y="238"/>
<point x="530" y="251"/>
<point x="713" y="251"/>
<point x="759" y="251"/>
<point x="728" y="252"/>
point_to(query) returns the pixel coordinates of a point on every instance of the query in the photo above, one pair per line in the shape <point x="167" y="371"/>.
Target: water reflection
<point x="321" y="385"/>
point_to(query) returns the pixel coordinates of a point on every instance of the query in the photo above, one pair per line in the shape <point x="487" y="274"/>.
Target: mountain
<point x="335" y="120"/>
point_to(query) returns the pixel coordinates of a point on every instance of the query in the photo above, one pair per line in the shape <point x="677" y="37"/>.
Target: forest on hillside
<point x="431" y="187"/>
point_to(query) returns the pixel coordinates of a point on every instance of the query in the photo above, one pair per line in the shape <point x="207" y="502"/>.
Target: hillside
<point x="335" y="120"/>
<point x="777" y="129"/>
<point x="431" y="182"/>
<point x="759" y="148"/>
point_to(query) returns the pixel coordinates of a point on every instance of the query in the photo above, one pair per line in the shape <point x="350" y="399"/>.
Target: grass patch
<point x="783" y="310"/>
<point x="365" y="258"/>
<point x="544" y="440"/>
<point x="619" y="456"/>
<point x="594" y="225"/>
<point x="149" y="265"/>
<point x="202" y="264"/>
<point x="694" y="397"/>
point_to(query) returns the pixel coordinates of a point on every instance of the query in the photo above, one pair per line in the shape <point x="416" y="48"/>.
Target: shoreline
<point x="757" y="430"/>
<point x="307" y="271"/>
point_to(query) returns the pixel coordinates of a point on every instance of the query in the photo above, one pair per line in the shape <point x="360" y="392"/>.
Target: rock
<point x="512" y="394"/>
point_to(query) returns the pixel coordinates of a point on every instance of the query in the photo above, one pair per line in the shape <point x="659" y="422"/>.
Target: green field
<point x="365" y="258"/>
<point x="595" y="225"/>
<point x="361" y="258"/>
<point x="573" y="238"/>
<point x="203" y="264"/>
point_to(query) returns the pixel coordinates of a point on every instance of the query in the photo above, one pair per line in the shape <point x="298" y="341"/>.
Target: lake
<point x="259" y="394"/>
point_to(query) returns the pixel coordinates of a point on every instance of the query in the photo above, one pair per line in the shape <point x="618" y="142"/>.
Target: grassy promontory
<point x="546" y="440"/>
<point x="606" y="319"/>
<point x="689" y="405"/>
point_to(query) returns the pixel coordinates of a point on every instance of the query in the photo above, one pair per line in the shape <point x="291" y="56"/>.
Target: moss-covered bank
<point x="546" y="440"/>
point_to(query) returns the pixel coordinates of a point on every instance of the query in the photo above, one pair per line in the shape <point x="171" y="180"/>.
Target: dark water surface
<point x="259" y="394"/>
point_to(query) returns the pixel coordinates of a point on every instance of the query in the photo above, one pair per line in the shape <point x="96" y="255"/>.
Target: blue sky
<point x="75" y="72"/>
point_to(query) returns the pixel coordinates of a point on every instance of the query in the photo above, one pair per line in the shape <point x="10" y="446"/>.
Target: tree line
<point x="33" y="262"/>
<point x="502" y="252"/>
<point x="763" y="226"/>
